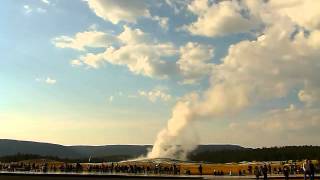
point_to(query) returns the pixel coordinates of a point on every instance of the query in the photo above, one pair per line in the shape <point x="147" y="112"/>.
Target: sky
<point x="132" y="72"/>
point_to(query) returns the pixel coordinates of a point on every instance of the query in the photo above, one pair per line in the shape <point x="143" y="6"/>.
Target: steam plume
<point x="176" y="141"/>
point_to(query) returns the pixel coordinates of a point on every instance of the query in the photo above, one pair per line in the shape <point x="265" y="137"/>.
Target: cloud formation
<point x="83" y="40"/>
<point x="309" y="19"/>
<point x="218" y="19"/>
<point x="156" y="95"/>
<point x="194" y="62"/>
<point x="132" y="48"/>
<point x="141" y="54"/>
<point x="119" y="10"/>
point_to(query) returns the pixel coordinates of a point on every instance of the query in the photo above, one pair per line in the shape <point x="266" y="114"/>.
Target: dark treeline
<point x="222" y="156"/>
<point x="22" y="157"/>
<point x="259" y="154"/>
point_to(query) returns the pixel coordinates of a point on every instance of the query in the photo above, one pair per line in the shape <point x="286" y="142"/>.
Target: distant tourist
<point x="286" y="172"/>
<point x="265" y="172"/>
<point x="312" y="170"/>
<point x="306" y="169"/>
<point x="257" y="172"/>
<point x="269" y="168"/>
<point x="200" y="169"/>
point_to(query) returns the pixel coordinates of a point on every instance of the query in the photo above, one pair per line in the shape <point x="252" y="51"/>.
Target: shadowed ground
<point x="29" y="176"/>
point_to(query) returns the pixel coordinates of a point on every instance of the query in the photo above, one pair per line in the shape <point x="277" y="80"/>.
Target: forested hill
<point x="13" y="147"/>
<point x="20" y="150"/>
<point x="259" y="154"/>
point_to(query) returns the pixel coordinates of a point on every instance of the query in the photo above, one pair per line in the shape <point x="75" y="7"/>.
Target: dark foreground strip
<point x="92" y="176"/>
<point x="71" y="176"/>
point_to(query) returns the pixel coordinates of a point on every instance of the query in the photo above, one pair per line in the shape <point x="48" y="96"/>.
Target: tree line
<point x="259" y="154"/>
<point x="222" y="156"/>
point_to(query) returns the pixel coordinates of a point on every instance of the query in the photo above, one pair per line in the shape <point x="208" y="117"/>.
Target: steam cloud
<point x="283" y="57"/>
<point x="176" y="140"/>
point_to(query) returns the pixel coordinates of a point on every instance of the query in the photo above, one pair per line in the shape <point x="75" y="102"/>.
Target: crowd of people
<point x="259" y="171"/>
<point x="94" y="168"/>
<point x="307" y="169"/>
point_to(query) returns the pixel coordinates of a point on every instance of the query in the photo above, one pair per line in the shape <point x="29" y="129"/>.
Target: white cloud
<point x="76" y="62"/>
<point x="116" y="11"/>
<point x="162" y="21"/>
<point x="133" y="36"/>
<point x="156" y="95"/>
<point x="266" y="68"/>
<point x="141" y="54"/>
<point x="218" y="19"/>
<point x="194" y="61"/>
<point x="27" y="9"/>
<point x="111" y="98"/>
<point x="46" y="2"/>
<point x="83" y="40"/>
<point x="309" y="16"/>
<point x="47" y="80"/>
<point x="137" y="51"/>
<point x="119" y="10"/>
<point x="50" y="81"/>
<point x="90" y="59"/>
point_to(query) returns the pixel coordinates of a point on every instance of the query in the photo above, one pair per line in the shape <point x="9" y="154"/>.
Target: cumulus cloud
<point x="309" y="19"/>
<point x="194" y="62"/>
<point x="141" y="54"/>
<point x="83" y="40"/>
<point x="156" y="95"/>
<point x="90" y="59"/>
<point x="218" y="19"/>
<point x="137" y="51"/>
<point x="119" y="10"/>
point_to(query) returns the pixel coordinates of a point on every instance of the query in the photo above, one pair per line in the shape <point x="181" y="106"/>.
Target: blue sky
<point x="113" y="72"/>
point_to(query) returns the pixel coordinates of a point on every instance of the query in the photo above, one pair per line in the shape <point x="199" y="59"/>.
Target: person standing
<point x="265" y="172"/>
<point x="257" y="172"/>
<point x="306" y="168"/>
<point x="312" y="170"/>
<point x="200" y="169"/>
<point x="286" y="172"/>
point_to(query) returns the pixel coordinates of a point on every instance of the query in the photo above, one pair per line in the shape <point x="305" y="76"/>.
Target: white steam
<point x="178" y="139"/>
<point x="284" y="57"/>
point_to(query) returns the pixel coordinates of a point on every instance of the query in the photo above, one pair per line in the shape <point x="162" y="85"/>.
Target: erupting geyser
<point x="178" y="138"/>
